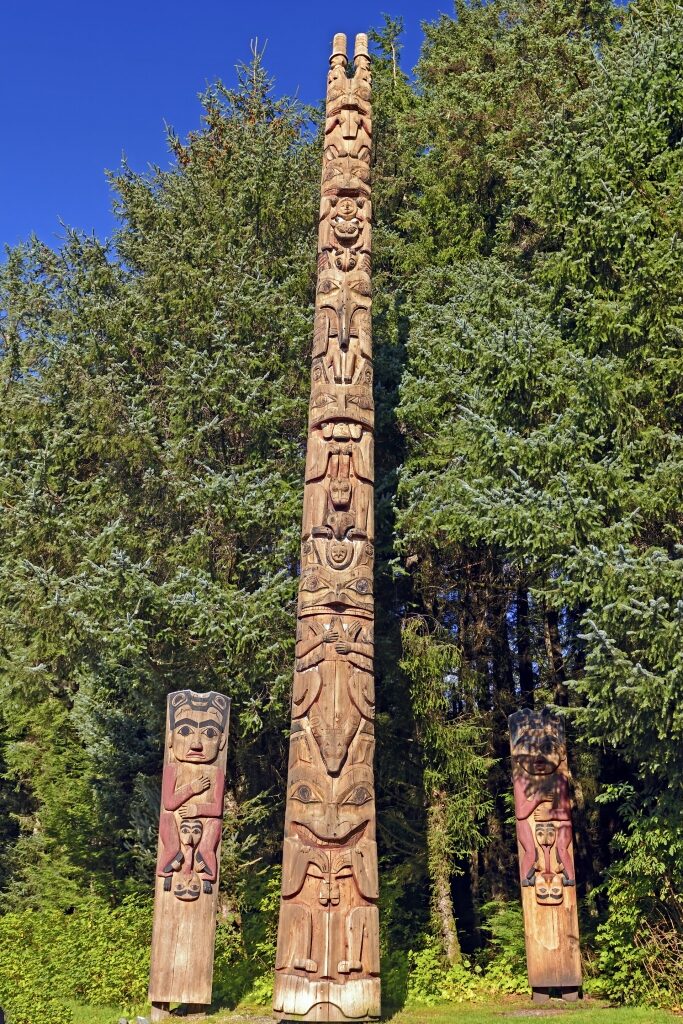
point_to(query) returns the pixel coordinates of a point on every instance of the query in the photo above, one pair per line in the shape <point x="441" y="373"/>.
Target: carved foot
<point x="540" y="995"/>
<point x="167" y="884"/>
<point x="207" y="887"/>
<point x="305" y="965"/>
<point x="346" y="966"/>
<point x="570" y="995"/>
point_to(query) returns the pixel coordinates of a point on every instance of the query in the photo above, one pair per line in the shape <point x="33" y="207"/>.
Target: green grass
<point x="505" y="1011"/>
<point x="518" y="1008"/>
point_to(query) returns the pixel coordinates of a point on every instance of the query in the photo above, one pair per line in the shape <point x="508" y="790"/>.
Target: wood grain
<point x="188" y="857"/>
<point x="546" y="852"/>
<point x="327" y="966"/>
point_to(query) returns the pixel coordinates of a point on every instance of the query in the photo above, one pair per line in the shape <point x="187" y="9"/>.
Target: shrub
<point x="431" y="981"/>
<point x="96" y="954"/>
<point x="505" y="969"/>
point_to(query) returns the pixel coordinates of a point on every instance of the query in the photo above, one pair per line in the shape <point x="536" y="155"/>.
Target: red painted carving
<point x="192" y="791"/>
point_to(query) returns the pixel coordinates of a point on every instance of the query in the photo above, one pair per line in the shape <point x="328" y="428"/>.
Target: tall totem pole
<point x="540" y="777"/>
<point x="327" y="966"/>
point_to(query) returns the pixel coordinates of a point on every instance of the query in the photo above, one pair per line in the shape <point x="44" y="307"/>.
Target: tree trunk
<point x="440" y="875"/>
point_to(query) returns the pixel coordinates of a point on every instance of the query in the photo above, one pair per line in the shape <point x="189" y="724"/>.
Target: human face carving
<point x="197" y="737"/>
<point x="190" y="832"/>
<point x="545" y="833"/>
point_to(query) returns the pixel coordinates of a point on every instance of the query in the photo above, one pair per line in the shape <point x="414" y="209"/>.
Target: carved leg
<point x="570" y="995"/>
<point x="160" y="1011"/>
<point x="527" y="867"/>
<point x="564" y="838"/>
<point x="206" y="851"/>
<point x="170" y="857"/>
<point x="362" y="925"/>
<point x="540" y="995"/>
<point x="294" y="939"/>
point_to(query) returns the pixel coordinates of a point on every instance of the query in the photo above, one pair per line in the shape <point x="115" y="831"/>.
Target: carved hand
<point x="342" y="647"/>
<point x="188" y="811"/>
<point x="200" y="785"/>
<point x="332" y="636"/>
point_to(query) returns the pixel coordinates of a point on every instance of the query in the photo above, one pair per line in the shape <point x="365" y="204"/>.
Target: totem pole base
<point x="162" y="1011"/>
<point x="542" y="995"/>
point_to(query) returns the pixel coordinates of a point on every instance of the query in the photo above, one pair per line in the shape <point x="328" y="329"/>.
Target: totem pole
<point x="186" y="894"/>
<point x="546" y="857"/>
<point x="327" y="966"/>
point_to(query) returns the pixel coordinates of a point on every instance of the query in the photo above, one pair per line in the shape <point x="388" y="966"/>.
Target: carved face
<point x="346" y="174"/>
<point x="538" y="755"/>
<point x="339" y="554"/>
<point x="321" y="588"/>
<point x="346" y="220"/>
<point x="337" y="82"/>
<point x="197" y="736"/>
<point x="549" y="890"/>
<point x="338" y="401"/>
<point x="328" y="812"/>
<point x="190" y="832"/>
<point x="340" y="493"/>
<point x="187" y="889"/>
<point x="545" y="833"/>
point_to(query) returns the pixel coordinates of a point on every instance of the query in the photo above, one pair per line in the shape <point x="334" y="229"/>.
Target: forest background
<point x="528" y="281"/>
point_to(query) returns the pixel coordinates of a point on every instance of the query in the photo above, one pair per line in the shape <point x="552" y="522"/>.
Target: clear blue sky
<point x="83" y="83"/>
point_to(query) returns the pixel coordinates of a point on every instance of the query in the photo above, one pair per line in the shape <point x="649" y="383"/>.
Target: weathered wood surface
<point x="188" y="858"/>
<point x="327" y="966"/>
<point x="546" y="851"/>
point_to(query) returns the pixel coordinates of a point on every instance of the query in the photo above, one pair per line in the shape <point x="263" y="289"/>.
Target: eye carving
<point x="359" y="796"/>
<point x="306" y="795"/>
<point x="185" y="730"/>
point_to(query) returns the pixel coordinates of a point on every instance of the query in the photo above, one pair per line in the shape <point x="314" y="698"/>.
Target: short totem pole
<point x="546" y="857"/>
<point x="327" y="966"/>
<point x="190" y="823"/>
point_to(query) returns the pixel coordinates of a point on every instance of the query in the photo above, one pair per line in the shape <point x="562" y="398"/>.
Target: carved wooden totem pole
<point x="192" y="790"/>
<point x="327" y="966"/>
<point x="546" y="857"/>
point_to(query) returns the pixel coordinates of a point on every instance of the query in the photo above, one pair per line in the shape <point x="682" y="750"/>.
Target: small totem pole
<point x="546" y="858"/>
<point x="190" y="823"/>
<point x="327" y="966"/>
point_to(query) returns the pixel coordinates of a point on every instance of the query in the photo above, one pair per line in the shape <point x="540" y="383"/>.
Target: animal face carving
<point x="537" y="742"/>
<point x="327" y="812"/>
<point x="339" y="402"/>
<point x="340" y="493"/>
<point x="322" y="589"/>
<point x="541" y="757"/>
<point x="548" y="889"/>
<point x="346" y="174"/>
